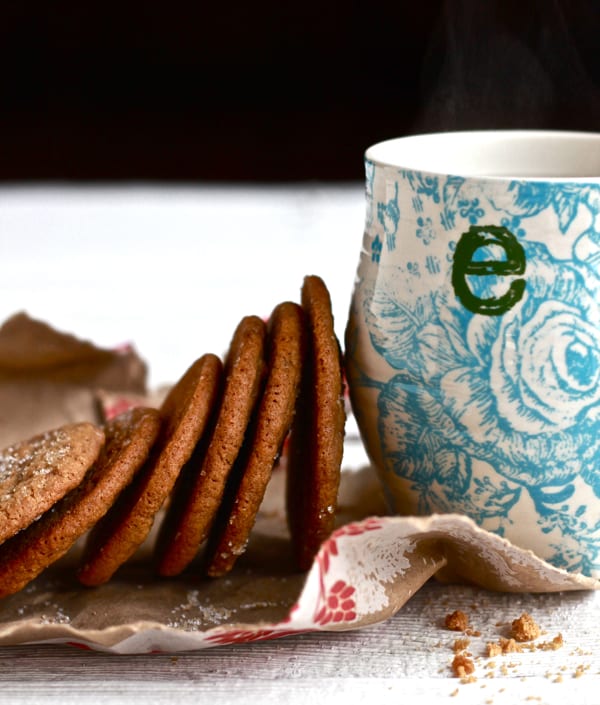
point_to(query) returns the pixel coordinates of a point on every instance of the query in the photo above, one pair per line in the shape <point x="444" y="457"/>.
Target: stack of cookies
<point x="206" y="456"/>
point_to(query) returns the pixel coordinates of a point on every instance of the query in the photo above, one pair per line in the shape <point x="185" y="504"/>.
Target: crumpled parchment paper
<point x="48" y="377"/>
<point x="364" y="573"/>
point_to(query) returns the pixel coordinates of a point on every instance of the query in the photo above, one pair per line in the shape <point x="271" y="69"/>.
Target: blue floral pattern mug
<point x="473" y="341"/>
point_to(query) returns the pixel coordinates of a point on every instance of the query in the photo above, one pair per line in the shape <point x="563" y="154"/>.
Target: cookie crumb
<point x="556" y="643"/>
<point x="525" y="628"/>
<point x="460" y="644"/>
<point x="456" y="621"/>
<point x="503" y="646"/>
<point x="493" y="650"/>
<point x="462" y="666"/>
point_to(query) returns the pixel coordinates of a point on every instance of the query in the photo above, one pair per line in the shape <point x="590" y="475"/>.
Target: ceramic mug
<point x="473" y="340"/>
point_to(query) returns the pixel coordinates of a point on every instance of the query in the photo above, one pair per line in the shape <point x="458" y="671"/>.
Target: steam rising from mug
<point x="510" y="64"/>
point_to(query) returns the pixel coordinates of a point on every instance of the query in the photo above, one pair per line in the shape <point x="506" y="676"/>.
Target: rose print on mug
<point x="518" y="392"/>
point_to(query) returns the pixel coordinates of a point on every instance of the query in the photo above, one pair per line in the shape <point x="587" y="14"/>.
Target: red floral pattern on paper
<point x="339" y="605"/>
<point x="118" y="406"/>
<point x="242" y="636"/>
<point x="330" y="547"/>
<point x="79" y="645"/>
<point x="336" y="604"/>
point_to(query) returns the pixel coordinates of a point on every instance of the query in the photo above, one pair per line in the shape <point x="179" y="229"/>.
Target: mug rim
<point x="439" y="153"/>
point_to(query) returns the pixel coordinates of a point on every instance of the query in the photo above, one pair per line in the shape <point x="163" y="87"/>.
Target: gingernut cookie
<point x="185" y="413"/>
<point x="129" y="438"/>
<point x="37" y="473"/>
<point x="317" y="437"/>
<point x="197" y="498"/>
<point x="274" y="416"/>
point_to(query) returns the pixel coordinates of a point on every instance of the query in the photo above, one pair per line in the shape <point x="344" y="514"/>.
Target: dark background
<point x="273" y="90"/>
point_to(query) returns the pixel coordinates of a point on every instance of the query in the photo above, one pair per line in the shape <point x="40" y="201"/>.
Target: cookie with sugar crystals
<point x="129" y="438"/>
<point x="185" y="412"/>
<point x="274" y="416"/>
<point x="197" y="498"/>
<point x="38" y="472"/>
<point x="317" y="437"/>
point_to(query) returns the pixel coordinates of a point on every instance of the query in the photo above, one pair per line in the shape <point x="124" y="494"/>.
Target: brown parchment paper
<point x="48" y="377"/>
<point x="363" y="574"/>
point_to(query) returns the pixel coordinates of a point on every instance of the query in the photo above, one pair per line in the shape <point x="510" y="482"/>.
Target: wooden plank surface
<point x="408" y="656"/>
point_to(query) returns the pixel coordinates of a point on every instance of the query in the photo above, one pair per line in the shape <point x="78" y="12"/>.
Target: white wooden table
<point x="173" y="270"/>
<point x="406" y="657"/>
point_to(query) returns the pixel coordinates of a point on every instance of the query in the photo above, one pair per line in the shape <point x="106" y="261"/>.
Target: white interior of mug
<point x="518" y="154"/>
